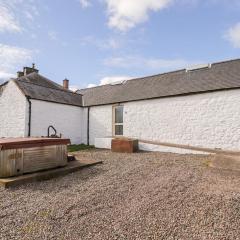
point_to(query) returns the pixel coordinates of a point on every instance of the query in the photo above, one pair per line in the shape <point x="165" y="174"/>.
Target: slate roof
<point x="38" y="87"/>
<point x="223" y="75"/>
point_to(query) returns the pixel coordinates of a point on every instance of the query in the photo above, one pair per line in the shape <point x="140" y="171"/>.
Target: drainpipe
<point x="29" y="115"/>
<point x="88" y="111"/>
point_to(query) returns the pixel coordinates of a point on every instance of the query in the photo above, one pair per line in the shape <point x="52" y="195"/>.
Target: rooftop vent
<point x="118" y="82"/>
<point x="198" y="67"/>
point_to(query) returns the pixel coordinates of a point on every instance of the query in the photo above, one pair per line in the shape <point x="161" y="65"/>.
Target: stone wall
<point x="100" y="122"/>
<point x="205" y="120"/>
<point x="66" y="119"/>
<point x="13" y="108"/>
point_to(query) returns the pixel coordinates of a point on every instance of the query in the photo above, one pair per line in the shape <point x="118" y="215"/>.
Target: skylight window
<point x="198" y="67"/>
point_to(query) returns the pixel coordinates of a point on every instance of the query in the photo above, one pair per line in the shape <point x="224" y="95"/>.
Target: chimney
<point x="20" y="74"/>
<point x="28" y="70"/>
<point x="66" y="83"/>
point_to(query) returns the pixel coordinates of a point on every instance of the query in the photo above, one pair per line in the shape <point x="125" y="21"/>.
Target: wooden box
<point x="124" y="145"/>
<point x="26" y="155"/>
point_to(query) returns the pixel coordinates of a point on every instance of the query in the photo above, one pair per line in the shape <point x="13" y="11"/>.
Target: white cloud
<point x="15" y="12"/>
<point x="138" y="62"/>
<point x="4" y="76"/>
<point x="113" y="79"/>
<point x="85" y="3"/>
<point x="233" y="35"/>
<point x="90" y="85"/>
<point x="126" y="14"/>
<point x="109" y="80"/>
<point x="12" y="57"/>
<point x="8" y="22"/>
<point x="74" y="88"/>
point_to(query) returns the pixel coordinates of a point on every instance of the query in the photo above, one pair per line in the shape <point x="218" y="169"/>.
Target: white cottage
<point x="198" y="107"/>
<point x="31" y="103"/>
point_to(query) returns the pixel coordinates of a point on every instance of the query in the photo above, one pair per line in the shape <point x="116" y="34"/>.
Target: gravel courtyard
<point x="129" y="196"/>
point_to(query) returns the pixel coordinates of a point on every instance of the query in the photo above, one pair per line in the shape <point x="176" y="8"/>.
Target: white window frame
<point x="114" y="117"/>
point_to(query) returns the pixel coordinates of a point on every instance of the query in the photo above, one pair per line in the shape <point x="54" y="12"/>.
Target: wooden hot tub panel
<point x="31" y="158"/>
<point x="11" y="162"/>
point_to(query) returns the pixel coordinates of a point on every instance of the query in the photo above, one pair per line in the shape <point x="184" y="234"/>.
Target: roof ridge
<point x="45" y="79"/>
<point x="50" y="81"/>
<point x="226" y="61"/>
<point x="138" y="78"/>
<point x="4" y="83"/>
<point x="161" y="74"/>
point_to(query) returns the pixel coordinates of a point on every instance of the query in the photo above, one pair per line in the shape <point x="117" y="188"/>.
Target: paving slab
<point x="47" y="174"/>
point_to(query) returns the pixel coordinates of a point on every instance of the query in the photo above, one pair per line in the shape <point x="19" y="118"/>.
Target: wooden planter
<point x="25" y="155"/>
<point x="124" y="145"/>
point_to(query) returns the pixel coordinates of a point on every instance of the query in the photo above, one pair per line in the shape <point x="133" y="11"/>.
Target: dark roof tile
<point x="224" y="75"/>
<point x="38" y="87"/>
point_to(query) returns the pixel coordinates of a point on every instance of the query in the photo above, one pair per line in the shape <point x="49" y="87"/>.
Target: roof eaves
<point x="69" y="104"/>
<point x="3" y="84"/>
<point x="166" y="96"/>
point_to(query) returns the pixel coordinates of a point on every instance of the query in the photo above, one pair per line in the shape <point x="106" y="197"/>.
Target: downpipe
<point x="29" y="115"/>
<point x="88" y="123"/>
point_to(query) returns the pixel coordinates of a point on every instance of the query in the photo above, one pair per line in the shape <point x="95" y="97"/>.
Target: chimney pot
<point x="66" y="83"/>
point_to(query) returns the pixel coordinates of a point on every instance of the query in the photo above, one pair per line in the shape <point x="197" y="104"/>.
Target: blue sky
<point x="94" y="42"/>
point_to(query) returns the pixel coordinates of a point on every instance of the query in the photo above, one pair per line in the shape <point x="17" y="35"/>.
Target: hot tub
<point x="26" y="155"/>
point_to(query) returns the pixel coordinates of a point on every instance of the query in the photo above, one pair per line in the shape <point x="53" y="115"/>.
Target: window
<point x="118" y="120"/>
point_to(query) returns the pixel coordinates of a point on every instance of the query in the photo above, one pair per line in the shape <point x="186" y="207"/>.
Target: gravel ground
<point x="129" y="196"/>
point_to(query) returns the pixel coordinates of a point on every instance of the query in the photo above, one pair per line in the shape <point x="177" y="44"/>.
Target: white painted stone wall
<point x="100" y="122"/>
<point x="84" y="125"/>
<point x="65" y="118"/>
<point x="206" y="120"/>
<point x="105" y="143"/>
<point x="13" y="108"/>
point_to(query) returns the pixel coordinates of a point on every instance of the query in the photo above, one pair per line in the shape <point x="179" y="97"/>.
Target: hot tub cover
<point x="16" y="143"/>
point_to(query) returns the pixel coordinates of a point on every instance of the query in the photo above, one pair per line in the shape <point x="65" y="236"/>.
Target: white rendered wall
<point x="84" y="125"/>
<point x="206" y="120"/>
<point x="13" y="108"/>
<point x="105" y="143"/>
<point x="65" y="118"/>
<point x="100" y="122"/>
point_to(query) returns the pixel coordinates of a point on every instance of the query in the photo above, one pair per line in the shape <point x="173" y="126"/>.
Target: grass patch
<point x="207" y="163"/>
<point x="79" y="147"/>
